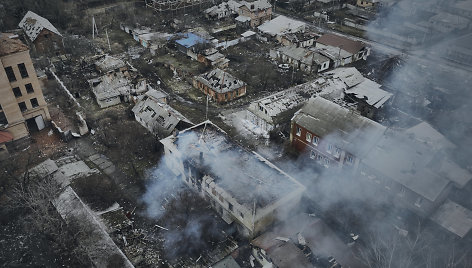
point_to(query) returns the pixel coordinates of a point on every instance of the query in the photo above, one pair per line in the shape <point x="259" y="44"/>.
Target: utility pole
<point x="94" y="28"/>
<point x="106" y="32"/>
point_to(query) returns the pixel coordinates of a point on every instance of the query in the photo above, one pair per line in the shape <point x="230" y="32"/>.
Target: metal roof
<point x="33" y="24"/>
<point x="190" y="40"/>
<point x="454" y="218"/>
<point x="220" y="81"/>
<point x="342" y="42"/>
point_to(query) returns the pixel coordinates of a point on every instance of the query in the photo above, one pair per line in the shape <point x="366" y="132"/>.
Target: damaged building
<point x="41" y="33"/>
<point x="243" y="187"/>
<point x="152" y="112"/>
<point x="412" y="173"/>
<point x="23" y="108"/>
<point x="116" y="84"/>
<point x="305" y="59"/>
<point x="212" y="58"/>
<point x="342" y="50"/>
<point x="223" y="10"/>
<point x="254" y="13"/>
<point x="280" y="26"/>
<point x="220" y="86"/>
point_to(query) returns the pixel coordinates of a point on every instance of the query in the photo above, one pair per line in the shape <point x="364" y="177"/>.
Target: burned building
<point x="220" y="86"/>
<point x="41" y="33"/>
<point x="243" y="187"/>
<point x="306" y="59"/>
<point x="22" y="105"/>
<point x="155" y="115"/>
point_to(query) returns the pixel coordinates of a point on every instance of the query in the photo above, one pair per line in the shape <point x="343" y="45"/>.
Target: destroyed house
<point x="242" y="186"/>
<point x="357" y="49"/>
<point x="155" y="115"/>
<point x="367" y="94"/>
<point x="41" y="33"/>
<point x="299" y="39"/>
<point x="331" y="134"/>
<point x="255" y="13"/>
<point x="107" y="63"/>
<point x="307" y="60"/>
<point x="277" y="109"/>
<point x="220" y="86"/>
<point x="223" y="10"/>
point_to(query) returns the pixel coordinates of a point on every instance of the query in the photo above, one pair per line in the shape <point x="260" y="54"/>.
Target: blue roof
<point x="190" y="40"/>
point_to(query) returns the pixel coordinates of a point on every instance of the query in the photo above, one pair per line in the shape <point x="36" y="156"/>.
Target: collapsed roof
<point x="220" y="81"/>
<point x="33" y="24"/>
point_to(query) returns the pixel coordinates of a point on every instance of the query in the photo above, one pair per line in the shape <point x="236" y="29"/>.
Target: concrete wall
<point x="16" y="118"/>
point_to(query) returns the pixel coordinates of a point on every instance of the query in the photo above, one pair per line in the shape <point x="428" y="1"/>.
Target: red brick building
<point x="329" y="133"/>
<point x="220" y="85"/>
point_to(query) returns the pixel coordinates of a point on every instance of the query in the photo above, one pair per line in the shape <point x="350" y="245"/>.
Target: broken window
<point x="299" y="131"/>
<point x="230" y="206"/>
<point x="3" y="118"/>
<point x="337" y="152"/>
<point x="330" y="148"/>
<point x="22" y="106"/>
<point x="29" y="88"/>
<point x="10" y="74"/>
<point x="308" y="137"/>
<point x="315" y="140"/>
<point x="17" y="92"/>
<point x="241" y="214"/>
<point x="312" y="154"/>
<point x="23" y="71"/>
<point x="419" y="202"/>
<point x="350" y="159"/>
<point x="34" y="102"/>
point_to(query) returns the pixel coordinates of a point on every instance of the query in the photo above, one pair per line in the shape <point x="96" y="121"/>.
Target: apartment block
<point x="22" y="105"/>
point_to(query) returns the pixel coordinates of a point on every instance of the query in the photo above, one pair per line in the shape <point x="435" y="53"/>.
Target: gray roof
<point x="307" y="56"/>
<point x="355" y="133"/>
<point x="424" y="132"/>
<point x="108" y="63"/>
<point x="227" y="262"/>
<point x="349" y="75"/>
<point x="220" y="81"/>
<point x="453" y="217"/>
<point x="110" y="85"/>
<point x="258" y="5"/>
<point x="371" y="92"/>
<point x="158" y="117"/>
<point x="33" y="24"/>
<point x="407" y="162"/>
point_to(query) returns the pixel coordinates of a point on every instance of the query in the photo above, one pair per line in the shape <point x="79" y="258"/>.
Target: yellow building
<point x="22" y="105"/>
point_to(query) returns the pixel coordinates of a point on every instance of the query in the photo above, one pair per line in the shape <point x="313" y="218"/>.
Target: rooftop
<point x="352" y="131"/>
<point x="33" y="24"/>
<point x="454" y="218"/>
<point x="109" y="63"/>
<point x="281" y="25"/>
<point x="158" y="116"/>
<point x="248" y="177"/>
<point x="371" y="92"/>
<point x="10" y="45"/>
<point x="5" y="137"/>
<point x="304" y="55"/>
<point x="344" y="43"/>
<point x="424" y="132"/>
<point x="407" y="162"/>
<point x="220" y="81"/>
<point x="256" y="5"/>
<point x="191" y="40"/>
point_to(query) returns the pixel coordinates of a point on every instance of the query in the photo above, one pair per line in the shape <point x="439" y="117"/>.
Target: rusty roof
<point x="10" y="45"/>
<point x="5" y="137"/>
<point x="342" y="42"/>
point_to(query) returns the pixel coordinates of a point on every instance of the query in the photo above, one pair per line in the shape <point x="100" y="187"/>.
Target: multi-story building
<point x="330" y="133"/>
<point x="411" y="167"/>
<point x="255" y="13"/>
<point x="242" y="186"/>
<point x="22" y="104"/>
